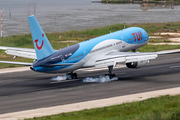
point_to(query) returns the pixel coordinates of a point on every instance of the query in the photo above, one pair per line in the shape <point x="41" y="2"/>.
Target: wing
<point x="17" y="63"/>
<point x="30" y="64"/>
<point x="114" y="58"/>
<point x="168" y="52"/>
<point x="21" y="52"/>
<point x="27" y="53"/>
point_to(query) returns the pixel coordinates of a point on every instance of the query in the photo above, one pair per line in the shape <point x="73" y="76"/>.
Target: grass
<point x="159" y="40"/>
<point x="161" y="108"/>
<point x="25" y="41"/>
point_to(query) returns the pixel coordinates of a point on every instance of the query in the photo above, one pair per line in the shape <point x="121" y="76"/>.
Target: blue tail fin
<point x="41" y="43"/>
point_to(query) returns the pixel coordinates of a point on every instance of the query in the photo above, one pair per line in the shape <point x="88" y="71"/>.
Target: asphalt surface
<point x="28" y="90"/>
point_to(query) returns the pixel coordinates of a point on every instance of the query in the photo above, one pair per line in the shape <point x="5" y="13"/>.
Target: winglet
<point x="41" y="43"/>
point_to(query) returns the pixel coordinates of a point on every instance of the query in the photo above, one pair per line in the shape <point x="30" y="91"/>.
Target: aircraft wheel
<point x="110" y="76"/>
<point x="74" y="75"/>
<point x="113" y="75"/>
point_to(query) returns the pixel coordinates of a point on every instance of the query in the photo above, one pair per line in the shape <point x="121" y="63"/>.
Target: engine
<point x="137" y="64"/>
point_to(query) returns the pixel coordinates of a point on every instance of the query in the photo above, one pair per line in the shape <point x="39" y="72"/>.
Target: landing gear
<point x="110" y="72"/>
<point x="135" y="50"/>
<point x="72" y="75"/>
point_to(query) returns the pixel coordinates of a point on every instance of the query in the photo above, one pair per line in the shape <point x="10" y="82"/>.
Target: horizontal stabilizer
<point x="20" y="52"/>
<point x="17" y="63"/>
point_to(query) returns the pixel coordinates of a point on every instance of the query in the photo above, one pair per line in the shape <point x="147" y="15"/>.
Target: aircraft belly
<point x="142" y="44"/>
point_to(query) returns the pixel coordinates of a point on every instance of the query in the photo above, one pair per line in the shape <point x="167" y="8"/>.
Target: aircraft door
<point x="85" y="53"/>
<point x="62" y="58"/>
<point x="123" y="42"/>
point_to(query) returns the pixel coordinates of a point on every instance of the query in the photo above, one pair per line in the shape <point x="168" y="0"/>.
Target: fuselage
<point x="86" y="53"/>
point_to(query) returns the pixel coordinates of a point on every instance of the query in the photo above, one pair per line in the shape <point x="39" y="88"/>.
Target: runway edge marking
<point x="39" y="112"/>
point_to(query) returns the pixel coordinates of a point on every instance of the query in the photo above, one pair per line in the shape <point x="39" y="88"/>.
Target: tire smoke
<point x="100" y="79"/>
<point x="61" y="78"/>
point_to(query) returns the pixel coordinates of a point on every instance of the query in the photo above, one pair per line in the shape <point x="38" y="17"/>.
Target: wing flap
<point x="140" y="58"/>
<point x="17" y="63"/>
<point x="114" y="58"/>
<point x="109" y="61"/>
<point x="168" y="52"/>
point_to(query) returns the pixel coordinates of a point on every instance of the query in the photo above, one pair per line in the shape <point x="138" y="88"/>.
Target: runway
<point x="29" y="90"/>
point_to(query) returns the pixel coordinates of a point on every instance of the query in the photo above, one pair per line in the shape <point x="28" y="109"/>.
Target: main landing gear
<point x="72" y="75"/>
<point x="110" y="72"/>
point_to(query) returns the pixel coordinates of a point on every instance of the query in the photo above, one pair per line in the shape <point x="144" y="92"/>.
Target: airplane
<point x="104" y="51"/>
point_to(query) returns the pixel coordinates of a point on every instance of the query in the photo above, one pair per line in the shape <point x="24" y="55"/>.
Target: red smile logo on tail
<point x="41" y="44"/>
<point x="37" y="44"/>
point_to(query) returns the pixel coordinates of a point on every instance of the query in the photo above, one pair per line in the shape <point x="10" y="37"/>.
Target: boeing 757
<point x="104" y="51"/>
